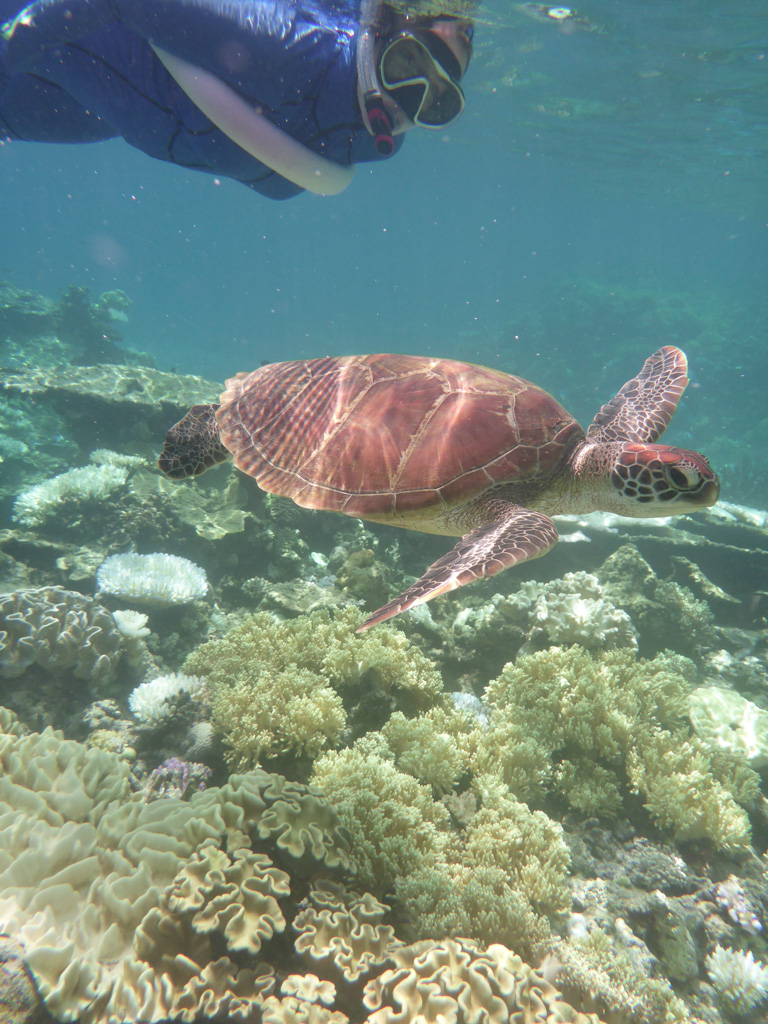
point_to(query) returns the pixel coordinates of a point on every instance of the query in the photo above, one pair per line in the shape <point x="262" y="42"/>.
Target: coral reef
<point x="342" y="931"/>
<point x="73" y="329"/>
<point x="181" y="910"/>
<point x="727" y="721"/>
<point x="290" y="686"/>
<point x="612" y="720"/>
<point x="740" y="981"/>
<point x="176" y="778"/>
<point x="156" y="579"/>
<point x="455" y="980"/>
<point x="572" y="610"/>
<point x="101" y="405"/>
<point x="665" y="613"/>
<point x="600" y="814"/>
<point x="87" y="484"/>
<point x="152" y="703"/>
<point x="57" y="629"/>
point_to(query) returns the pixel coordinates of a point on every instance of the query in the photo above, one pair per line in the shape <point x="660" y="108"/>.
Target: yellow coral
<point x="526" y="844"/>
<point x="267" y="713"/>
<point x="680" y="791"/>
<point x="434" y="747"/>
<point x="344" y="929"/>
<point x="451" y="898"/>
<point x="609" y="718"/>
<point x="273" y="685"/>
<point x="395" y="823"/>
<point x="236" y="895"/>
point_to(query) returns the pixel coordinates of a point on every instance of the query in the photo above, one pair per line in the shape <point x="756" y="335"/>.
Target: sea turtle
<point x="449" y="448"/>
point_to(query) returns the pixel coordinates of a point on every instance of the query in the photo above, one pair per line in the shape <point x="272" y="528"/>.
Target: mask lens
<point x="420" y="84"/>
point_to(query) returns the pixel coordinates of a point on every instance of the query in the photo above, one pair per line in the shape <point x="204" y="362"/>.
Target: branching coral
<point x="278" y="686"/>
<point x="496" y="879"/>
<point x="267" y="713"/>
<point x="434" y="747"/>
<point x="610" y="719"/>
<point x="592" y="967"/>
<point x="395" y="823"/>
<point x="503" y="874"/>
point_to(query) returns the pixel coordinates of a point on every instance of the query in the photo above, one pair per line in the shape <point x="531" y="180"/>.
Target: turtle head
<point x="193" y="444"/>
<point x="658" y="480"/>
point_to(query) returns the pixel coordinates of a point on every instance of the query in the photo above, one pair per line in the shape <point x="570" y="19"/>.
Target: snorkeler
<point x="281" y="95"/>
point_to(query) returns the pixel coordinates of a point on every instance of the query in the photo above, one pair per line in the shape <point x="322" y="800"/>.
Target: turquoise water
<point x="631" y="155"/>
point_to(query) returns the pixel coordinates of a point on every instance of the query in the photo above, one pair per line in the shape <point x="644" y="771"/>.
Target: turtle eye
<point x="680" y="479"/>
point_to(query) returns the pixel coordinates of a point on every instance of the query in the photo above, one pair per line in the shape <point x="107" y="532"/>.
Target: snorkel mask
<point x="421" y="73"/>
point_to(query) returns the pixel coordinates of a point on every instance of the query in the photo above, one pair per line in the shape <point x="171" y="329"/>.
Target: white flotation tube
<point x="253" y="132"/>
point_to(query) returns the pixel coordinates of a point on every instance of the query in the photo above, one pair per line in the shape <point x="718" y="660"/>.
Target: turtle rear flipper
<point x="193" y="445"/>
<point x="641" y="411"/>
<point x="518" y="537"/>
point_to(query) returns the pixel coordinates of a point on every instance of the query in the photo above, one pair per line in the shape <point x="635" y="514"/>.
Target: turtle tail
<point x="193" y="445"/>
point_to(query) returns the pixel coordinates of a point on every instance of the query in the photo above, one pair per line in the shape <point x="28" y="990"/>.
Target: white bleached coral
<point x="108" y="471"/>
<point x="574" y="610"/>
<point x="132" y="624"/>
<point x="106" y="457"/>
<point x="89" y="483"/>
<point x="571" y="610"/>
<point x="739" y="979"/>
<point x="152" y="703"/>
<point x="724" y="719"/>
<point x="154" y="579"/>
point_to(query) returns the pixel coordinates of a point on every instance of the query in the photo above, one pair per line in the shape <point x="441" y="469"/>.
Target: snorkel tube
<point x="379" y="122"/>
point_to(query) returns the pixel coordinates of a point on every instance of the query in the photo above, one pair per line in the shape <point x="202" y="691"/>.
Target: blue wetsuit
<point x="84" y="70"/>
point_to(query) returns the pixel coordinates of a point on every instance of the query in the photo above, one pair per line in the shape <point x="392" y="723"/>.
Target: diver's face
<point x="458" y="35"/>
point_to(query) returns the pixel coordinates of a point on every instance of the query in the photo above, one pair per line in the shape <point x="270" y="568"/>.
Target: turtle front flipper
<point x="193" y="445"/>
<point x="519" y="536"/>
<point x="642" y="410"/>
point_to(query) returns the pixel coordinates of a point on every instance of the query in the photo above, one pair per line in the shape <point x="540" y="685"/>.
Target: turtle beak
<point x="710" y="492"/>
